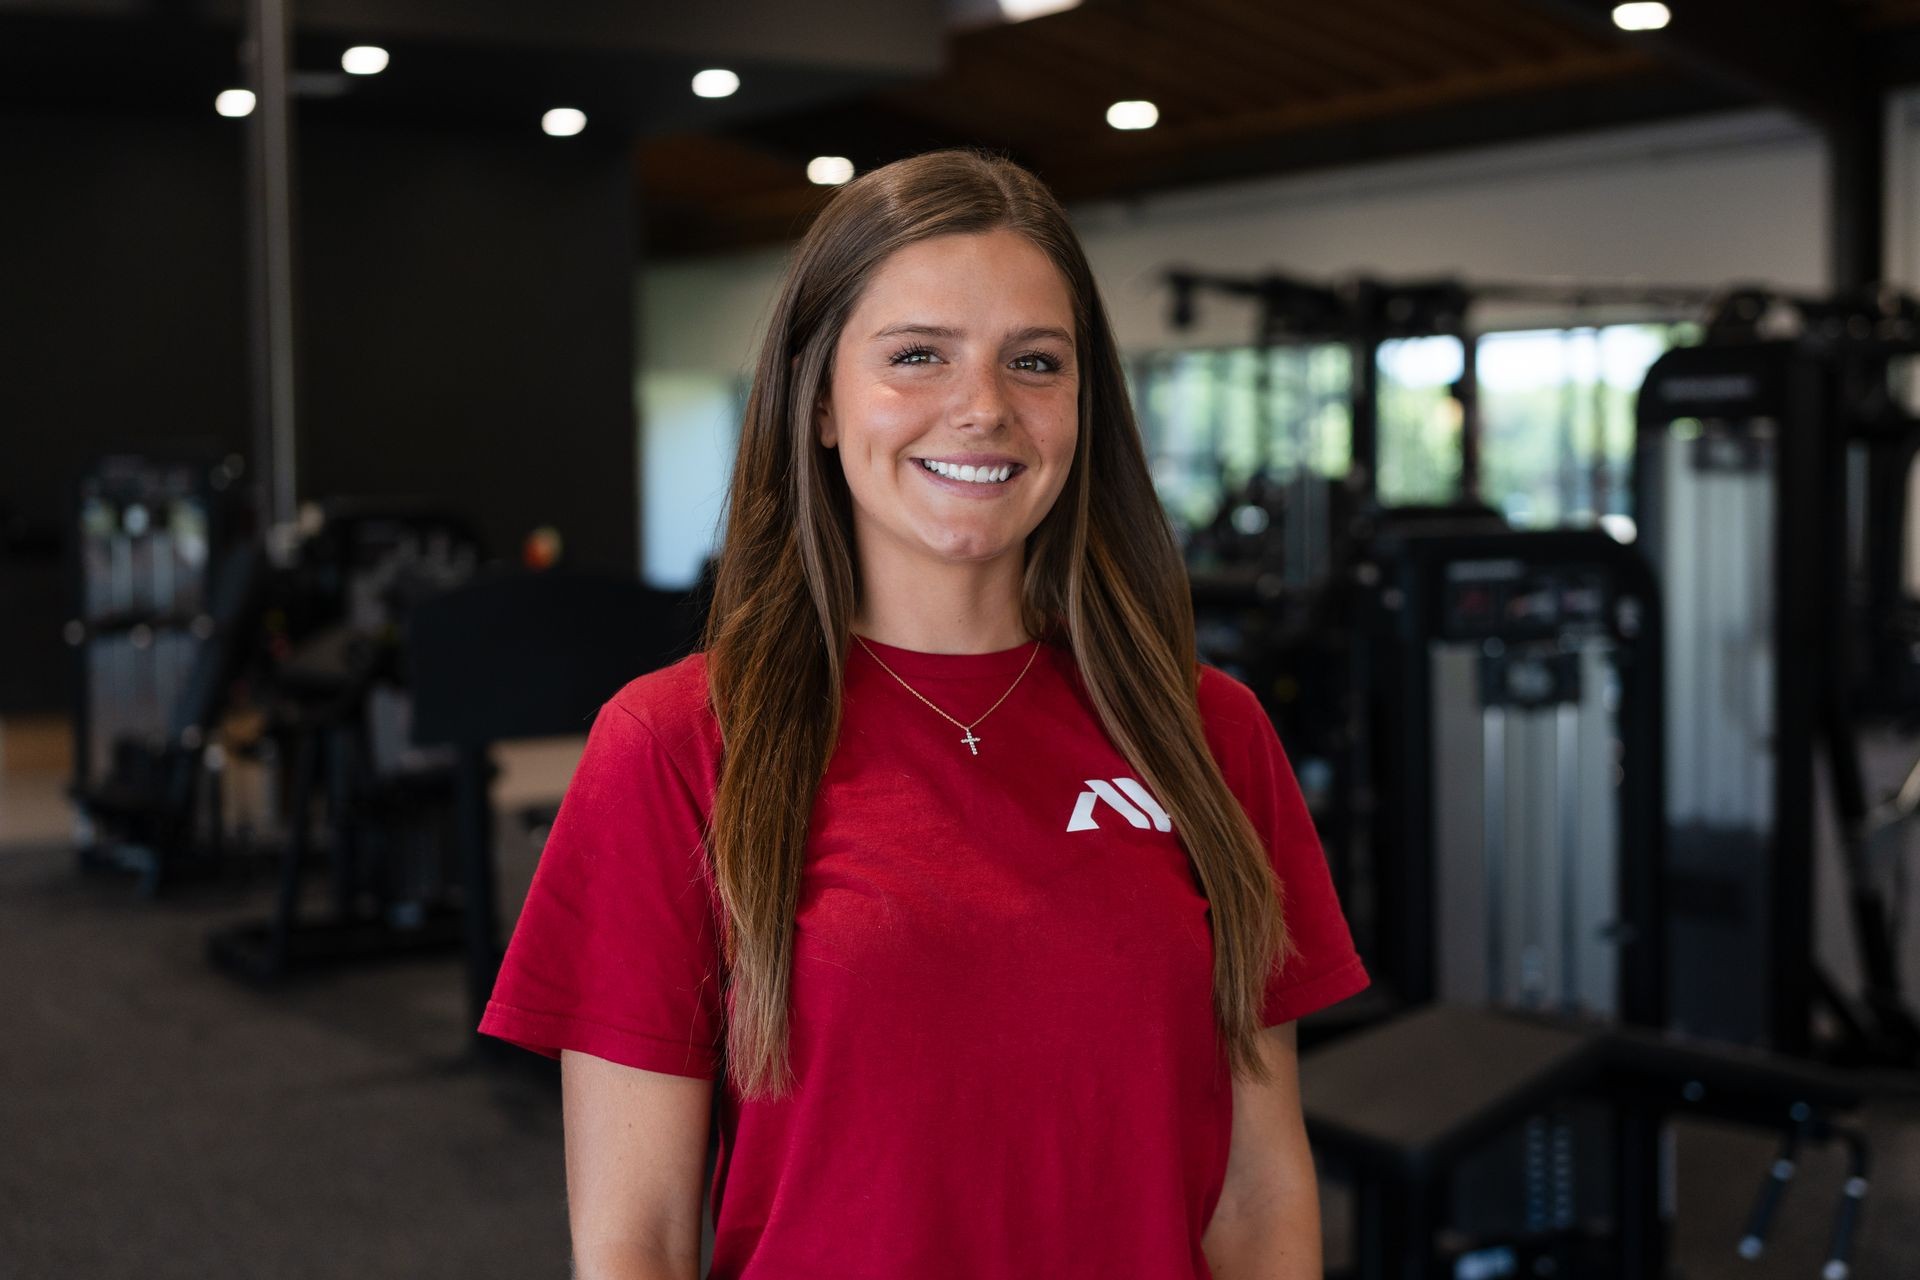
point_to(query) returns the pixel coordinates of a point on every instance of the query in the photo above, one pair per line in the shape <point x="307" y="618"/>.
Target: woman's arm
<point x="636" y="1151"/>
<point x="1267" y="1225"/>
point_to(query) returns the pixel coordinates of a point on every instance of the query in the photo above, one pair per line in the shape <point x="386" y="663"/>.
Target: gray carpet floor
<point x="158" y="1120"/>
<point x="162" y="1121"/>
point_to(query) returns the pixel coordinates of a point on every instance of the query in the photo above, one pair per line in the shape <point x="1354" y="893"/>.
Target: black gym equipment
<point x="1742" y="495"/>
<point x="1512" y="1123"/>
<point x="380" y="663"/>
<point x="1514" y="695"/>
<point x="337" y="702"/>
<point x="1400" y="1107"/>
<point x="1284" y="576"/>
<point x="1273" y="574"/>
<point x="1509" y="686"/>
<point x="165" y="590"/>
<point x="1741" y="804"/>
<point x="1489" y="708"/>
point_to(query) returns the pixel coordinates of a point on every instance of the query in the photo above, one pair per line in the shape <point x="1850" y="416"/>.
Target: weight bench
<point x="1400" y="1105"/>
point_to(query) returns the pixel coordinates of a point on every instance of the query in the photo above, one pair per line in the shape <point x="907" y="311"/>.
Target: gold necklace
<point x="970" y="739"/>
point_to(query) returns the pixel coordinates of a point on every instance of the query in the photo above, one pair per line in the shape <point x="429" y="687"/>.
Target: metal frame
<point x="85" y="628"/>
<point x="1405" y="836"/>
<point x="1793" y="385"/>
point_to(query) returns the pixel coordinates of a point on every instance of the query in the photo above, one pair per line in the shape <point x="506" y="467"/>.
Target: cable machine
<point x="1286" y="588"/>
<point x="1747" y="460"/>
<point x="1498" y="750"/>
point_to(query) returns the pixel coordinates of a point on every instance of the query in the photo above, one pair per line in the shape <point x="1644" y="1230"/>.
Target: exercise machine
<point x="165" y="591"/>
<point x="338" y="707"/>
<point x="1743" y="480"/>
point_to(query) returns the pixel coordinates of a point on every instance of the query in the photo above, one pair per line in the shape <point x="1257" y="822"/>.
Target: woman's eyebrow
<point x="1030" y="333"/>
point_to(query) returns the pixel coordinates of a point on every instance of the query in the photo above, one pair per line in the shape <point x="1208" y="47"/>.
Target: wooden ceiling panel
<point x="1331" y="41"/>
<point x="1006" y="95"/>
<point x="1393" y="53"/>
<point x="1244" y="35"/>
<point x="1194" y="69"/>
<point x="1115" y="59"/>
<point x="699" y="168"/>
<point x="1238" y="82"/>
<point x="1878" y="13"/>
<point x="1409" y="98"/>
<point x="1466" y="39"/>
<point x="1534" y="31"/>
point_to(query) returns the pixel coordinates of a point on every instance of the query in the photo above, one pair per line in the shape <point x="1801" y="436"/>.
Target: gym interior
<point x="1530" y="384"/>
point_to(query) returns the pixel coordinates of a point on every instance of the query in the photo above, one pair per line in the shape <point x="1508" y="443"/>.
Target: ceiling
<point x="1245" y="88"/>
<point x="1260" y="87"/>
<point x="493" y="65"/>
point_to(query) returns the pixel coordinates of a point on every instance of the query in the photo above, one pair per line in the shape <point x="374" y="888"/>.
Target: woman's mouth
<point x="983" y="477"/>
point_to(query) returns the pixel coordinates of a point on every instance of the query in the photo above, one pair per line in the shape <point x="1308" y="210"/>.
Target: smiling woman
<point x="945" y="876"/>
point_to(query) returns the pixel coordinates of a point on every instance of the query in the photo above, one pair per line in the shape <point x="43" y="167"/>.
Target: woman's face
<point x="959" y="353"/>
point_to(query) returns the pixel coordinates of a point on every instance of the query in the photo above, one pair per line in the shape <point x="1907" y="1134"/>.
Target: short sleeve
<point x="616" y="951"/>
<point x="1323" y="967"/>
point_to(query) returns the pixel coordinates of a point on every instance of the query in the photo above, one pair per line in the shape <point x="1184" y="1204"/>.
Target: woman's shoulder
<point x="672" y="703"/>
<point x="1230" y="711"/>
<point x="1226" y="702"/>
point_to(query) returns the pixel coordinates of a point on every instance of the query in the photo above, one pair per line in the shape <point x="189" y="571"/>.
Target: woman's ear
<point x="823" y="424"/>
<point x="823" y="429"/>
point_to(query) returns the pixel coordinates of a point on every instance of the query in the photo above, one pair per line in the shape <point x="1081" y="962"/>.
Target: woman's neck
<point x="945" y="612"/>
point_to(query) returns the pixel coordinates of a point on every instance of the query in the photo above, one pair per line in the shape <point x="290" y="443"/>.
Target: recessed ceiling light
<point x="1133" y="115"/>
<point x="1021" y="10"/>
<point x="563" y="122"/>
<point x="715" y="83"/>
<point x="234" y="103"/>
<point x="364" y="60"/>
<point x="1644" y="15"/>
<point x="829" y="171"/>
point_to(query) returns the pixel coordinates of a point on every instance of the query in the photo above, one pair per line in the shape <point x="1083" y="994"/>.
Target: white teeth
<point x="977" y="475"/>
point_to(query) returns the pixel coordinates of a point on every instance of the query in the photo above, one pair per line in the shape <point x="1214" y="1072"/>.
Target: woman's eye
<point x="1037" y="362"/>
<point x="913" y="355"/>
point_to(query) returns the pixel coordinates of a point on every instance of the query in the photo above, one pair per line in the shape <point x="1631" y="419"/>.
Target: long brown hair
<point x="1106" y="575"/>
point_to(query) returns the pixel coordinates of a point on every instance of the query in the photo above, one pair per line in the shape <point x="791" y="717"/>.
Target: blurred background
<point x="1529" y="383"/>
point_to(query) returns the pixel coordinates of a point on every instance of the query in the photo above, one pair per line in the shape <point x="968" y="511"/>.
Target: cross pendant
<point x="970" y="740"/>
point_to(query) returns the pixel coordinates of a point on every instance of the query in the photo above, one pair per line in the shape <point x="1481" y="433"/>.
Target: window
<point x="1419" y="421"/>
<point x="1208" y="428"/>
<point x="1556" y="411"/>
<point x="1556" y="415"/>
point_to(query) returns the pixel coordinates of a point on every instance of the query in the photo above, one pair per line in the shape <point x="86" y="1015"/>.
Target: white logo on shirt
<point x="1135" y="806"/>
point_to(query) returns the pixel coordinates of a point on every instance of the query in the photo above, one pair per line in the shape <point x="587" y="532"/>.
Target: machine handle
<point x="1760" y="1221"/>
<point x="1754" y="1242"/>
<point x="1840" y="1253"/>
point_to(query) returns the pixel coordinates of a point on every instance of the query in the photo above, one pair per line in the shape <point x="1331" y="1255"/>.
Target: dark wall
<point x="122" y="298"/>
<point x="122" y="327"/>
<point x="466" y="331"/>
<point x="469" y="331"/>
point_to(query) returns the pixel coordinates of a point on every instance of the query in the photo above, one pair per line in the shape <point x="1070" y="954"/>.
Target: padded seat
<point x="1400" y="1104"/>
<point x="1410" y="1095"/>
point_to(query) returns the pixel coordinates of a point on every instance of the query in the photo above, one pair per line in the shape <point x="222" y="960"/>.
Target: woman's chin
<point x="971" y="548"/>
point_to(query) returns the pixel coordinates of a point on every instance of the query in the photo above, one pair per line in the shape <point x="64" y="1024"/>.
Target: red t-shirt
<point x="1002" y="1030"/>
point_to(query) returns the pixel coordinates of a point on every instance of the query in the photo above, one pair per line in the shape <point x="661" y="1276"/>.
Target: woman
<point x="977" y="919"/>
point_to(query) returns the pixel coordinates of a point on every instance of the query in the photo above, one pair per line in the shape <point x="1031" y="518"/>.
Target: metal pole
<point x="270" y="189"/>
<point x="1466" y="394"/>
<point x="1857" y="192"/>
<point x="1493" y="837"/>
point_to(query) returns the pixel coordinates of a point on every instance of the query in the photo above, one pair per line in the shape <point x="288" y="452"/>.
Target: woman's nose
<point x="983" y="397"/>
